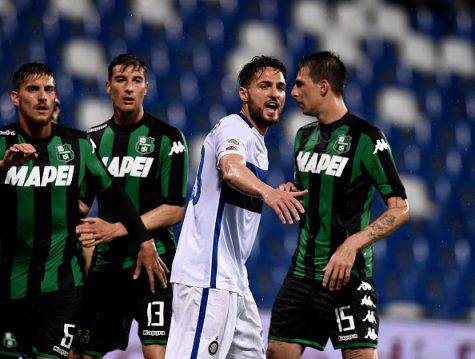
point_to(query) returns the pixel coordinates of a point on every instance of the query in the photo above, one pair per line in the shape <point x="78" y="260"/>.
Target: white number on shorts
<point x="68" y="337"/>
<point x="155" y="312"/>
<point x="340" y="317"/>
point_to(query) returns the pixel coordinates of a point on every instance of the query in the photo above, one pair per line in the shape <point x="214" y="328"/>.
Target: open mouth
<point x="128" y="100"/>
<point x="41" y="108"/>
<point x="271" y="106"/>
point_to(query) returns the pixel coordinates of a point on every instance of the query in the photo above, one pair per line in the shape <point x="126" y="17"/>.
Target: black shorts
<point x="307" y="313"/>
<point x="41" y="326"/>
<point x="111" y="301"/>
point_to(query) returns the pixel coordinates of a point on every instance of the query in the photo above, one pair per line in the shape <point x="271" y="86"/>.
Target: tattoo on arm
<point x="379" y="227"/>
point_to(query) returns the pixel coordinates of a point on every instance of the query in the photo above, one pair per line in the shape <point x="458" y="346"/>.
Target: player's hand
<point x="93" y="231"/>
<point x="285" y="204"/>
<point x="18" y="155"/>
<point x="148" y="257"/>
<point x="338" y="270"/>
<point x="288" y="187"/>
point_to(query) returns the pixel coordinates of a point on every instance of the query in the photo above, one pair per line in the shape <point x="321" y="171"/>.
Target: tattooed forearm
<point x="381" y="227"/>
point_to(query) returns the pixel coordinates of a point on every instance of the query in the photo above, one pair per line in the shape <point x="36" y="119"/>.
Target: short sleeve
<point x="231" y="137"/>
<point x="380" y="166"/>
<point x="173" y="169"/>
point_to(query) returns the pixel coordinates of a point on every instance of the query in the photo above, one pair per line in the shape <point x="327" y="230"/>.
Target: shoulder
<point x="308" y="127"/>
<point x="98" y="128"/>
<point x="68" y="133"/>
<point x="162" y="127"/>
<point x="9" y="130"/>
<point x="234" y="124"/>
<point x="364" y="127"/>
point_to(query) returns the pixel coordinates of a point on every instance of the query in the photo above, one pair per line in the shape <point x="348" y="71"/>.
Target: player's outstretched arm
<point x="18" y="155"/>
<point x="286" y="205"/>
<point x="338" y="269"/>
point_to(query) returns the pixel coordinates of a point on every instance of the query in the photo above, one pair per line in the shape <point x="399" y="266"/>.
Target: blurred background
<point x="411" y="72"/>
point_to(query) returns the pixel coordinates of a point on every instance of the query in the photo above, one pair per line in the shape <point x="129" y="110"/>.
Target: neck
<point x="127" y="118"/>
<point x="332" y="111"/>
<point x="262" y="129"/>
<point x="35" y="131"/>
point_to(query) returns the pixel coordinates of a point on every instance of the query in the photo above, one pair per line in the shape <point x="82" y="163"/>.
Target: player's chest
<point x="327" y="155"/>
<point x="129" y="155"/>
<point x="57" y="165"/>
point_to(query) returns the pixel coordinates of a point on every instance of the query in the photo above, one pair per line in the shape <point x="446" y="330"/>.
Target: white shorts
<point x="214" y="323"/>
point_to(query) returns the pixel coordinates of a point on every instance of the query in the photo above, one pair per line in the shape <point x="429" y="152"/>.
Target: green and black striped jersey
<point x="149" y="159"/>
<point x="39" y="249"/>
<point x="340" y="164"/>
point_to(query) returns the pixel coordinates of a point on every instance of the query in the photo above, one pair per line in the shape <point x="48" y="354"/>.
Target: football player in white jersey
<point x="214" y="313"/>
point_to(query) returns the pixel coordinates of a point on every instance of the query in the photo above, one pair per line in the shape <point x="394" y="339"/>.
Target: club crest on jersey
<point x="64" y="152"/>
<point x="145" y="145"/>
<point x="9" y="341"/>
<point x="342" y="144"/>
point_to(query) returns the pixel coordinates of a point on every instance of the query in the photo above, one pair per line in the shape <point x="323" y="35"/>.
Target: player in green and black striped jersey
<point x="149" y="159"/>
<point x="340" y="159"/>
<point x="43" y="170"/>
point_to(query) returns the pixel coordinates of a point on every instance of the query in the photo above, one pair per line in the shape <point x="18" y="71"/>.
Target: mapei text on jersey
<point x="333" y="165"/>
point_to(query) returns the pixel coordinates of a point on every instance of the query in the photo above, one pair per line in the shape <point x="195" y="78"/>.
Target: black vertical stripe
<point x="149" y="187"/>
<point x="8" y="237"/>
<point x="73" y="247"/>
<point x="43" y="228"/>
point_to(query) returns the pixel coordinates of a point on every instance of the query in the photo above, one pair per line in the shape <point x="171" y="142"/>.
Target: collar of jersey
<point x="29" y="139"/>
<point x="337" y="123"/>
<point x="129" y="127"/>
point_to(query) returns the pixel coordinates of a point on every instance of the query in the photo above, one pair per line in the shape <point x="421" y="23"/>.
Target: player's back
<point x="221" y="223"/>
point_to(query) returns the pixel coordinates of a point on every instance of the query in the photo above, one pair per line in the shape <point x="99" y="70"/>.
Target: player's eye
<point x="32" y="88"/>
<point x="49" y="88"/>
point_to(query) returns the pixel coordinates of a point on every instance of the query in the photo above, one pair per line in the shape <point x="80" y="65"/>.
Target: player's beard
<point x="257" y="114"/>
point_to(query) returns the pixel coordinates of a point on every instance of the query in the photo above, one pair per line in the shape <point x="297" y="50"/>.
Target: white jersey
<point x="221" y="223"/>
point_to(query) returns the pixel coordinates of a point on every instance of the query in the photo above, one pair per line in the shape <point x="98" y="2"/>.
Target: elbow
<point x="405" y="216"/>
<point x="180" y="212"/>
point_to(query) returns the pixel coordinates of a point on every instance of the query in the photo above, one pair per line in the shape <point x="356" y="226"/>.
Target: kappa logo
<point x="8" y="133"/>
<point x="321" y="162"/>
<point x="381" y="145"/>
<point x="367" y="301"/>
<point x="177" y="148"/>
<point x="64" y="152"/>
<point x="364" y="286"/>
<point x="9" y="341"/>
<point x="370" y="317"/>
<point x="371" y="334"/>
<point x="342" y="144"/>
<point x="345" y="338"/>
<point x="145" y="145"/>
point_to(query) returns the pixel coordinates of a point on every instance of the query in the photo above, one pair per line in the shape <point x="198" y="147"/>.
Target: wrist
<point x="120" y="230"/>
<point x="147" y="243"/>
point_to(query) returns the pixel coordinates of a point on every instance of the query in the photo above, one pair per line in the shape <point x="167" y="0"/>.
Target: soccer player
<point x="340" y="159"/>
<point x="214" y="313"/>
<point x="149" y="159"/>
<point x="43" y="169"/>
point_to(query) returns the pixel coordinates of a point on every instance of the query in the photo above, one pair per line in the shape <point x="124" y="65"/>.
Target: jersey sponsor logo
<point x="8" y="133"/>
<point x="367" y="301"/>
<point x="154" y="333"/>
<point x="133" y="166"/>
<point x="98" y="128"/>
<point x="321" y="162"/>
<point x="64" y="152"/>
<point x="342" y="144"/>
<point x="145" y="145"/>
<point x="177" y="148"/>
<point x="62" y="352"/>
<point x="40" y="176"/>
<point x="365" y="286"/>
<point x="371" y="334"/>
<point x="345" y="338"/>
<point x="9" y="341"/>
<point x="370" y="317"/>
<point x="381" y="145"/>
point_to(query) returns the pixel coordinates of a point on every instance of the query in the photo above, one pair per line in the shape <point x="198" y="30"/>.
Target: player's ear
<point x="15" y="98"/>
<point x="146" y="87"/>
<point x="108" y="87"/>
<point x="243" y="94"/>
<point x="324" y="87"/>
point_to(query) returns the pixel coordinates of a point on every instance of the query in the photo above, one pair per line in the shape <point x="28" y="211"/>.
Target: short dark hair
<point x="258" y="63"/>
<point x="27" y="70"/>
<point x="326" y="65"/>
<point x="126" y="60"/>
